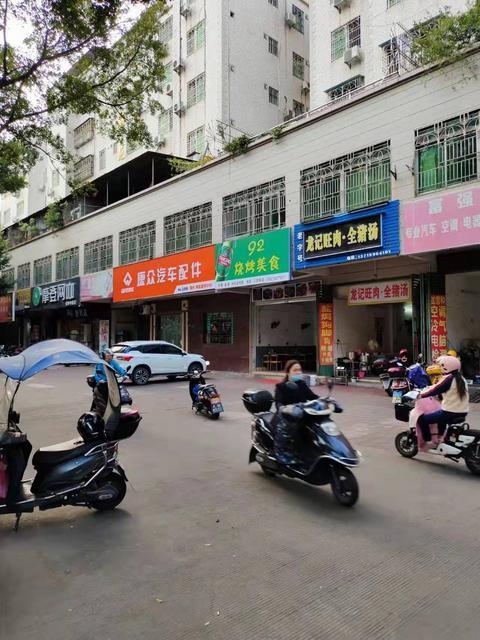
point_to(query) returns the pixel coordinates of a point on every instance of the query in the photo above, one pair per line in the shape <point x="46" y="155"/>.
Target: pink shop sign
<point x="442" y="221"/>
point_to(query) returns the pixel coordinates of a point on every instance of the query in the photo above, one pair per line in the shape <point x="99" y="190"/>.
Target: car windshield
<point x="120" y="348"/>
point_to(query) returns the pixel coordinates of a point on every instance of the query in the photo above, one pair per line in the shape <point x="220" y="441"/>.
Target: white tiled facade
<point x="225" y="44"/>
<point x="381" y="21"/>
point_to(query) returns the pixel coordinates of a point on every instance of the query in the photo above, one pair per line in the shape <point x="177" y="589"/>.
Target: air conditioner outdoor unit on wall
<point x="178" y="66"/>
<point x="179" y="109"/>
<point x="306" y="87"/>
<point x="290" y="20"/>
<point x="352" y="55"/>
<point x="185" y="9"/>
<point x="341" y="4"/>
<point x="168" y="89"/>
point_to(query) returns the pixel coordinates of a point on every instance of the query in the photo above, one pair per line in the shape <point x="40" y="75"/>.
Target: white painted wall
<point x="289" y="332"/>
<point x="463" y="320"/>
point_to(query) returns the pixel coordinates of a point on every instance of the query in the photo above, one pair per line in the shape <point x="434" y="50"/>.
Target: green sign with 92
<point x="253" y="260"/>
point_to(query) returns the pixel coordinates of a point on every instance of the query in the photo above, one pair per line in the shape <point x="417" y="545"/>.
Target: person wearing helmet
<point x="404" y="358"/>
<point x="452" y="387"/>
<point x="107" y="355"/>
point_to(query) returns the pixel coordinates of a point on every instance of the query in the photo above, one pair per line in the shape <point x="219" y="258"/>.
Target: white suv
<point x="148" y="358"/>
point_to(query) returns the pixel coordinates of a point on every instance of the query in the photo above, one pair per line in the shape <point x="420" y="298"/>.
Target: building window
<point x="196" y="38"/>
<point x="196" y="90"/>
<point x="298" y="69"/>
<point x="196" y="141"/>
<point x="84" y="133"/>
<point x="298" y="108"/>
<point x="299" y="16"/>
<point x="345" y="37"/>
<point x="8" y="277"/>
<point x="165" y="122"/>
<point x="166" y="30"/>
<point x="447" y="153"/>
<point x="218" y="328"/>
<point x="356" y="181"/>
<point x="254" y="210"/>
<point x="98" y="255"/>
<point x="102" y="159"/>
<point x="23" y="276"/>
<point x="42" y="270"/>
<point x="273" y="95"/>
<point x="188" y="229"/>
<point x="83" y="169"/>
<point x="167" y="77"/>
<point x="137" y="244"/>
<point x="67" y="264"/>
<point x="273" y="46"/>
<point x="391" y="3"/>
<point x="344" y="89"/>
<point x="274" y="3"/>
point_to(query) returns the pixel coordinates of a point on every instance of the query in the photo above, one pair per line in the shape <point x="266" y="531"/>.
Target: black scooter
<point x="81" y="472"/>
<point x="205" y="397"/>
<point x="125" y="397"/>
<point x="326" y="454"/>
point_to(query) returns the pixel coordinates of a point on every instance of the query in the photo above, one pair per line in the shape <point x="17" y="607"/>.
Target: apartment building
<point x="359" y="42"/>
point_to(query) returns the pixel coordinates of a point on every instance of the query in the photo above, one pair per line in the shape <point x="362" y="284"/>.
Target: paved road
<point x="206" y="547"/>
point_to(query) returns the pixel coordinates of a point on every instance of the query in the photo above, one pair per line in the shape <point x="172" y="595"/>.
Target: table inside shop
<point x="273" y="360"/>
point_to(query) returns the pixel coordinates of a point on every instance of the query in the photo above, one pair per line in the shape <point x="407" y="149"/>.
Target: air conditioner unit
<point x="185" y="9"/>
<point x="290" y="20"/>
<point x="352" y="55"/>
<point x="306" y="87"/>
<point x="341" y="4"/>
<point x="178" y="66"/>
<point x="168" y="89"/>
<point x="179" y="109"/>
<point x="159" y="141"/>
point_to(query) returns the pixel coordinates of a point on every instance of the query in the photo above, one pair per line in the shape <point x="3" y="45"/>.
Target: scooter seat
<point x="58" y="453"/>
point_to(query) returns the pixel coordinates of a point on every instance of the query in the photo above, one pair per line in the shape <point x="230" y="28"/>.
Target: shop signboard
<point x="441" y="221"/>
<point x="7" y="309"/>
<point x="325" y="333"/>
<point x="95" y="287"/>
<point x="259" y="259"/>
<point x="363" y="235"/>
<point x="180" y="273"/>
<point x="57" y="295"/>
<point x="386" y="292"/>
<point x="438" y="325"/>
<point x="23" y="299"/>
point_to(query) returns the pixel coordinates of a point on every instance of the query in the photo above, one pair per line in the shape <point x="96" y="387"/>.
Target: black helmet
<point x="257" y="400"/>
<point x="90" y="426"/>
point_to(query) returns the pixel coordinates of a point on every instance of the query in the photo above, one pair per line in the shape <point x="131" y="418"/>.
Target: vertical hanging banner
<point x="103" y="335"/>
<point x="325" y="333"/>
<point x="438" y="325"/>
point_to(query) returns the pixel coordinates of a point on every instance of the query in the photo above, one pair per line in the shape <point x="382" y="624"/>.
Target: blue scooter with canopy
<point x="83" y="471"/>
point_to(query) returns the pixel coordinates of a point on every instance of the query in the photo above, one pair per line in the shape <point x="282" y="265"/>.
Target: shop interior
<point x="463" y="321"/>
<point x="364" y="333"/>
<point x="286" y="330"/>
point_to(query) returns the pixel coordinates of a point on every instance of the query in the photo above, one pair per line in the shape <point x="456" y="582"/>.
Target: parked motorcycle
<point x="395" y="382"/>
<point x="205" y="397"/>
<point x="458" y="442"/>
<point x="81" y="472"/>
<point x="326" y="454"/>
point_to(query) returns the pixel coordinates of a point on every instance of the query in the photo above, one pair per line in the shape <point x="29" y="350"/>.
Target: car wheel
<point x="140" y="375"/>
<point x="195" y="366"/>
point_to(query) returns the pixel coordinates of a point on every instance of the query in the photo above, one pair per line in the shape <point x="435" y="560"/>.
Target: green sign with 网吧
<point x="259" y="259"/>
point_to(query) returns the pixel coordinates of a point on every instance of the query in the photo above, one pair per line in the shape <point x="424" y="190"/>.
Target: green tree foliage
<point x="6" y="281"/>
<point x="89" y="58"/>
<point x="445" y="38"/>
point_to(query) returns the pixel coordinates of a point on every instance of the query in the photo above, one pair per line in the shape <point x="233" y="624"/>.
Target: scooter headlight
<point x="331" y="428"/>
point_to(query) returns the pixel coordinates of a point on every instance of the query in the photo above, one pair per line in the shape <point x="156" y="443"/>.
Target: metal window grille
<point x="8" y="277"/>
<point x="167" y="76"/>
<point x="218" y="328"/>
<point x="84" y="132"/>
<point x="298" y="69"/>
<point x="355" y="181"/>
<point x="447" y="153"/>
<point x="83" y="169"/>
<point x="102" y="159"/>
<point x="273" y="95"/>
<point x="138" y="243"/>
<point x="254" y="210"/>
<point x="274" y="3"/>
<point x="165" y="122"/>
<point x="67" y="264"/>
<point x="345" y="89"/>
<point x="188" y="229"/>
<point x="391" y="3"/>
<point x="196" y="38"/>
<point x="23" y="276"/>
<point x="272" y="46"/>
<point x="298" y="108"/>
<point x="42" y="270"/>
<point x="98" y="255"/>
<point x="299" y="19"/>
<point x="166" y="30"/>
<point x="196" y="90"/>
<point x="196" y="141"/>
<point x="345" y="37"/>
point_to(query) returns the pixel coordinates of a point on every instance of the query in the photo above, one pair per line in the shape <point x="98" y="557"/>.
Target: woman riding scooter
<point x="100" y="391"/>
<point x="454" y="391"/>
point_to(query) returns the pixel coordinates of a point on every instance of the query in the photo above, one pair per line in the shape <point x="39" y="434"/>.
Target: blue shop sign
<point x="363" y="235"/>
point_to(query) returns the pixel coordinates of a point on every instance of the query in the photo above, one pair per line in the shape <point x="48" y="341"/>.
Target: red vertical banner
<point x="438" y="326"/>
<point x="325" y="333"/>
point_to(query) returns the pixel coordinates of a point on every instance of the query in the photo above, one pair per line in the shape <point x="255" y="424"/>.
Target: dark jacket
<point x="285" y="395"/>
